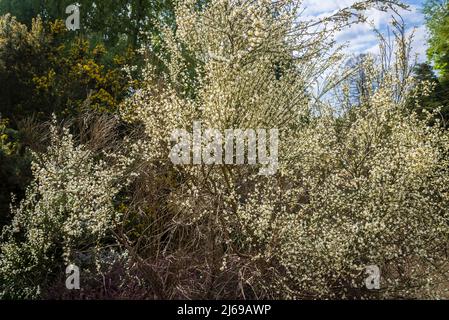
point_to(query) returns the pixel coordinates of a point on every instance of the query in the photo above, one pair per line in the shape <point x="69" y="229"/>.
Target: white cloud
<point x="315" y="8"/>
<point x="360" y="38"/>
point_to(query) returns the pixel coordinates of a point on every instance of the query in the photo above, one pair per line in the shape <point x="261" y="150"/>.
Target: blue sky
<point x="361" y="38"/>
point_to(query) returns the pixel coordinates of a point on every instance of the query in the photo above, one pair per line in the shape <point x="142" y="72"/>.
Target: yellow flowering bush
<point x="7" y="146"/>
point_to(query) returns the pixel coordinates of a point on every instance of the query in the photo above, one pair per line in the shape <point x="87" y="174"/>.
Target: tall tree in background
<point x="437" y="20"/>
<point x="111" y="21"/>
<point x="439" y="95"/>
<point x="23" y="10"/>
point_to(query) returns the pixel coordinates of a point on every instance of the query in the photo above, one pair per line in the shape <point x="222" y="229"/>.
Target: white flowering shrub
<point x="370" y="190"/>
<point x="364" y="186"/>
<point x="68" y="210"/>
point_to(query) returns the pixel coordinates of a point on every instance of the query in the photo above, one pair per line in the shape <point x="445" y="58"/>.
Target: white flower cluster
<point x="68" y="208"/>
